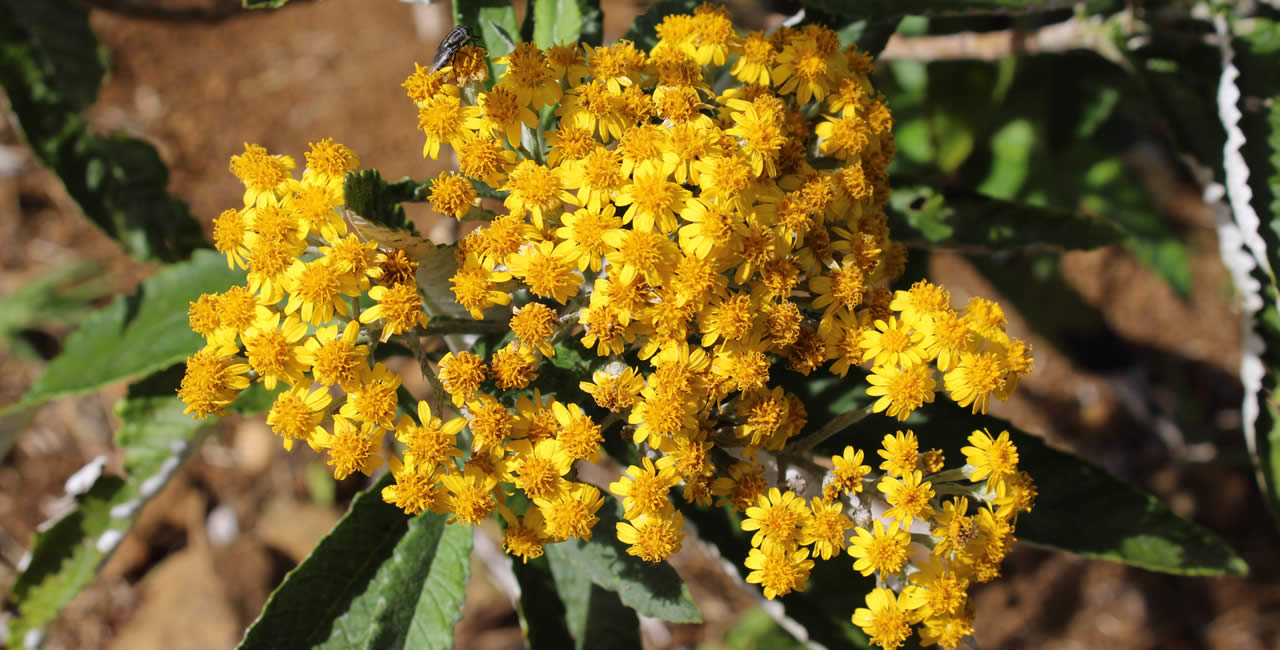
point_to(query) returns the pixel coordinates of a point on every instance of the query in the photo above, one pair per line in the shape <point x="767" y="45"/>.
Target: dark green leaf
<point x="595" y="616"/>
<point x="566" y="21"/>
<point x="755" y="630"/>
<point x="643" y="33"/>
<point x="51" y="68"/>
<point x="1257" y="55"/>
<point x="378" y="201"/>
<point x="379" y="579"/>
<point x="61" y="297"/>
<point x="494" y="22"/>
<point x="651" y="589"/>
<point x="1081" y="507"/>
<point x="542" y="613"/>
<point x="264" y="4"/>
<point x="157" y="438"/>
<point x="136" y="334"/>
<point x="974" y="221"/>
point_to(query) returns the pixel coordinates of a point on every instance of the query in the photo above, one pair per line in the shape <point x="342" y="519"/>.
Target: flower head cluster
<point x="692" y="241"/>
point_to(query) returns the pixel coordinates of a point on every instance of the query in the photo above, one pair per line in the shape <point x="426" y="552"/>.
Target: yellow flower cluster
<point x="698" y="213"/>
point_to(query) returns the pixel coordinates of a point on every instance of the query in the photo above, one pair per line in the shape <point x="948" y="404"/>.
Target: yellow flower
<point x="975" y="379"/>
<point x="908" y="497"/>
<point x="470" y="496"/>
<point x="296" y="414"/>
<point x="503" y="112"/>
<point x="614" y="391"/>
<point x="272" y="349"/>
<point x="652" y="200"/>
<point x="991" y="459"/>
<point x="336" y="359"/>
<point x="644" y="489"/>
<point x="880" y="551"/>
<point x="475" y="287"/>
<point x="540" y="468"/>
<point x="353" y="448"/>
<point x="893" y="343"/>
<point x="847" y="476"/>
<point x="777" y="519"/>
<point x="417" y="488"/>
<point x="572" y="513"/>
<point x="901" y="453"/>
<point x="640" y="253"/>
<point x="886" y="619"/>
<point x="375" y="399"/>
<point x="266" y="177"/>
<point x="546" y="273"/>
<point x="534" y="189"/>
<point x="525" y="538"/>
<point x="652" y="538"/>
<point x="779" y="571"/>
<point x="452" y="194"/>
<point x="530" y="74"/>
<point x="443" y="119"/>
<point x="901" y="390"/>
<point x="579" y="435"/>
<point x="230" y="234"/>
<point x="825" y="530"/>
<point x="328" y="163"/>
<point x="399" y="308"/>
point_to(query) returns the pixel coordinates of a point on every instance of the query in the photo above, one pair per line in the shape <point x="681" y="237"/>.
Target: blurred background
<point x="1144" y="381"/>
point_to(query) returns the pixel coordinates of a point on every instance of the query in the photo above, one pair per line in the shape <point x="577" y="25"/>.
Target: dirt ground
<point x="201" y="82"/>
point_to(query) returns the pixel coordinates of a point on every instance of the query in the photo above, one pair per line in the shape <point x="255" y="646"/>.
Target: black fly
<point x="449" y="46"/>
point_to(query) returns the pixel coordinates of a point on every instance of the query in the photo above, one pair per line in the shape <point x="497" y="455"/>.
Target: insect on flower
<point x="450" y="44"/>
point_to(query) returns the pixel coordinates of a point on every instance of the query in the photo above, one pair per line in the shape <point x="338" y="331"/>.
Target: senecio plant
<point x="693" y="238"/>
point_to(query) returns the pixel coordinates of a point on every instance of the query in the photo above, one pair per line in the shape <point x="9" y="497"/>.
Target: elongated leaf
<point x="566" y="21"/>
<point x="494" y="22"/>
<point x="897" y="8"/>
<point x="542" y="613"/>
<point x="136" y="334"/>
<point x="1247" y="98"/>
<point x="1081" y="507"/>
<point x="157" y="438"/>
<point x="974" y="221"/>
<point x="378" y="202"/>
<point x="595" y="616"/>
<point x="51" y="68"/>
<point x="264" y="4"/>
<point x="379" y="579"/>
<point x="654" y="590"/>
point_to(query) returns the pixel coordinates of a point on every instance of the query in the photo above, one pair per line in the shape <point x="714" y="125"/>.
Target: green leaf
<point x="974" y="221"/>
<point x="59" y="297"/>
<point x="494" y="21"/>
<point x="51" y="68"/>
<point x="1252" y="180"/>
<point x="542" y="613"/>
<point x="379" y="579"/>
<point x="1081" y="508"/>
<point x="157" y="438"/>
<point x="136" y="334"/>
<point x="755" y="629"/>
<point x="263" y="4"/>
<point x="654" y="590"/>
<point x="566" y="21"/>
<point x="643" y="31"/>
<point x="595" y="616"/>
<point x="371" y="197"/>
<point x="898" y="8"/>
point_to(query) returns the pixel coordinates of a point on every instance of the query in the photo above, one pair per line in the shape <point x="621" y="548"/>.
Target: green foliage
<point x="981" y="223"/>
<point x="379" y="579"/>
<point x="1081" y="507"/>
<point x="371" y="197"/>
<point x="651" y="589"/>
<point x="595" y="617"/>
<point x="136" y="334"/>
<point x="59" y="298"/>
<point x="51" y="68"/>
<point x="157" y="438"/>
<point x="263" y="4"/>
<point x="566" y="21"/>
